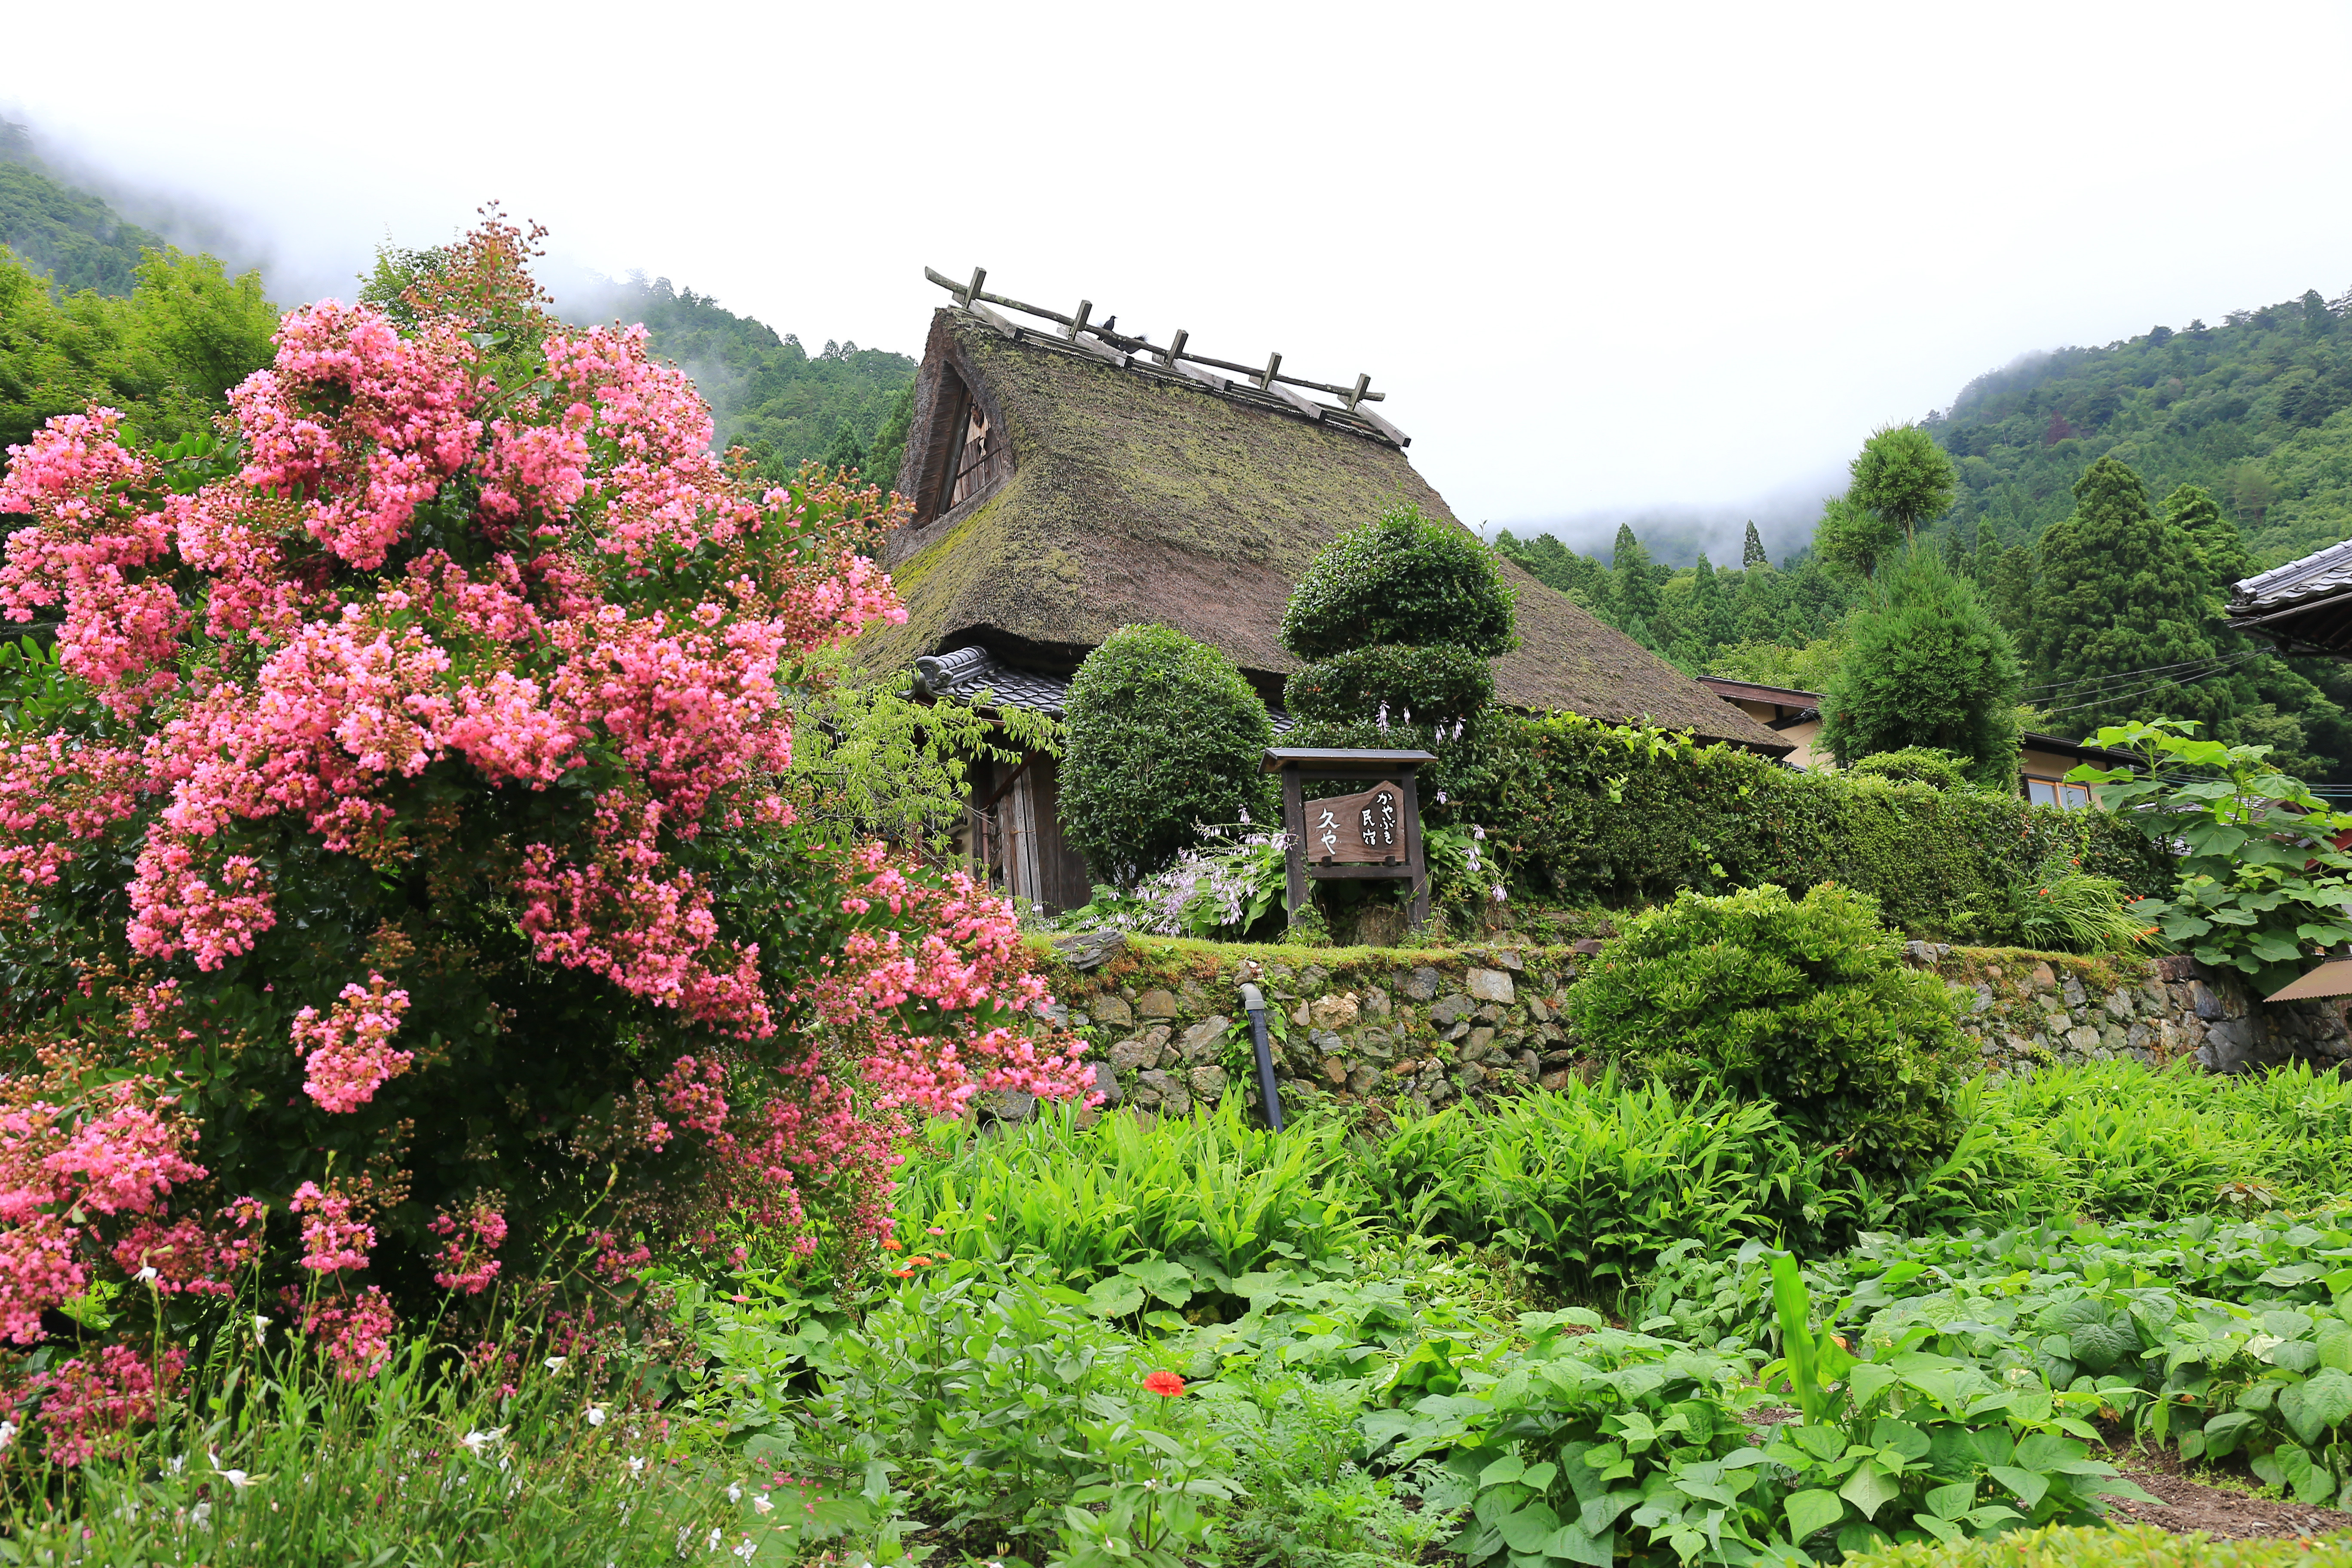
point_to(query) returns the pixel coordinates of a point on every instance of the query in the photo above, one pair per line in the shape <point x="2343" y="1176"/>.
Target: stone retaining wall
<point x="1424" y="1028"/>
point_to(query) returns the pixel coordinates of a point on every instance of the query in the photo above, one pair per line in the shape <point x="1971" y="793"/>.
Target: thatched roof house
<point x="1063" y="488"/>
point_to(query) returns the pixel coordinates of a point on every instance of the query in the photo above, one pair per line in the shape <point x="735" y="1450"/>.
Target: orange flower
<point x="904" y="1273"/>
<point x="919" y="1261"/>
<point x="892" y="1244"/>
<point x="1166" y="1384"/>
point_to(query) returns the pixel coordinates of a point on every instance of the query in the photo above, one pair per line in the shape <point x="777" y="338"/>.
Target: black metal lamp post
<point x="1254" y="1003"/>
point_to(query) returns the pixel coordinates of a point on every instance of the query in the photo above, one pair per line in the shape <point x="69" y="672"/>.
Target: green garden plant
<point x="1915" y="764"/>
<point x="1804" y="1002"/>
<point x="2261" y="885"/>
<point x="1163" y="735"/>
<point x="2063" y="909"/>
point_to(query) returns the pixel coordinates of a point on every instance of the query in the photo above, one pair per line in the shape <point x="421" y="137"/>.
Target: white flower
<point x="760" y="1504"/>
<point x="734" y="1493"/>
<point x="636" y="1467"/>
<point x="8" y="1430"/>
<point x="1478" y="832"/>
<point x="712" y="1544"/>
<point x="1441" y="797"/>
<point x="177" y="1463"/>
<point x="260" y="1330"/>
<point x="745" y="1551"/>
<point x="555" y="1362"/>
<point x="201" y="1516"/>
<point x="475" y="1442"/>
<point x="237" y="1479"/>
<point x="1499" y="892"/>
<point x="595" y="1416"/>
<point x="146" y="1276"/>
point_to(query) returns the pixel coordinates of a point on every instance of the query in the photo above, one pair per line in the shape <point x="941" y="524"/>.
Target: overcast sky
<point x="1601" y="257"/>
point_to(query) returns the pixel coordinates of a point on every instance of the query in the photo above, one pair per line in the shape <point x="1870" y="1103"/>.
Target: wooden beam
<point x="1383" y="427"/>
<point x="1363" y="385"/>
<point x="1101" y="351"/>
<point x="971" y="291"/>
<point x="1314" y="411"/>
<point x="993" y="319"/>
<point x="1273" y="368"/>
<point x="1208" y="378"/>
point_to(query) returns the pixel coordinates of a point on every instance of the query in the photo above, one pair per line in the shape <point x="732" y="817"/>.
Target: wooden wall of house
<point x="1026" y="850"/>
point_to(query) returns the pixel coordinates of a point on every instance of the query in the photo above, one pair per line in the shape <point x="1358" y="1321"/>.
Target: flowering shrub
<point x="395" y="840"/>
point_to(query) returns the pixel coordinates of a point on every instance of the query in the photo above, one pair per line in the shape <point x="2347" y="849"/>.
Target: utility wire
<point x="2217" y="661"/>
<point x="2106" y="699"/>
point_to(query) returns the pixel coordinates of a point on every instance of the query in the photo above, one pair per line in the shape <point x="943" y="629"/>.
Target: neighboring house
<point x="2044" y="761"/>
<point x="1067" y="483"/>
<point x="2303" y="606"/>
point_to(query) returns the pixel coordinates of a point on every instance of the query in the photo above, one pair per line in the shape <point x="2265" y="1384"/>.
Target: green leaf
<point x="1869" y="1380"/>
<point x="2311" y="1408"/>
<point x="1509" y="1468"/>
<point x="1572" y="1543"/>
<point x="2026" y="1487"/>
<point x="1869" y="1489"/>
<point x="1821" y="1442"/>
<point x="1812" y="1511"/>
<point x="1951" y="1502"/>
<point x="1528" y="1528"/>
<point x="1115" y="1297"/>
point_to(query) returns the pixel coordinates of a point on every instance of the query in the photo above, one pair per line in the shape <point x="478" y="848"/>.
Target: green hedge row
<point x="1596" y="812"/>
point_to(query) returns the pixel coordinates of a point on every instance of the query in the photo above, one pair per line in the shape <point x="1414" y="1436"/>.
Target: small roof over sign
<point x="2333" y="978"/>
<point x="1280" y="757"/>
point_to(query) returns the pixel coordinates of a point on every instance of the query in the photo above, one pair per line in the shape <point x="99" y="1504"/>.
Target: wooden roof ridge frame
<point x="1122" y="349"/>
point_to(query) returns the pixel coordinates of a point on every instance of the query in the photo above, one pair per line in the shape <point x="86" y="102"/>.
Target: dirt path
<point x="2220" y="1512"/>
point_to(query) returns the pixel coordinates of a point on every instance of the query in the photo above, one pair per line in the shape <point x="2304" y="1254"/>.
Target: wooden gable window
<point x="982" y="456"/>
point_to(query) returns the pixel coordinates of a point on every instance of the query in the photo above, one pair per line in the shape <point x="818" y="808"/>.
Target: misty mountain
<point x="844" y="406"/>
<point x="2258" y="410"/>
<point x="70" y="234"/>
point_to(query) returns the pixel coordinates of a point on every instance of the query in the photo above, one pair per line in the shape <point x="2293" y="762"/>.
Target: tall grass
<point x="1084" y="1200"/>
<point x="420" y="1464"/>
<point x="1585" y="1187"/>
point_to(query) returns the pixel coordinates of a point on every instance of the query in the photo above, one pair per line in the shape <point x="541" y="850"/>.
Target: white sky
<point x="1601" y="257"/>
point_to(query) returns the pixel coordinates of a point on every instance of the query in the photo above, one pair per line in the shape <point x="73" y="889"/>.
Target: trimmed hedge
<point x="1406" y="580"/>
<point x="1424" y="685"/>
<point x="1594" y="813"/>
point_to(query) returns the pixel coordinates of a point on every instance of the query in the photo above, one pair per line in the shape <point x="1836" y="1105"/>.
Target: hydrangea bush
<point x="397" y="895"/>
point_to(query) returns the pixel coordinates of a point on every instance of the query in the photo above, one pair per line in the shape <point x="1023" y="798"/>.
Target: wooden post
<point x="1294" y="823"/>
<point x="1273" y="363"/>
<point x="1363" y="385"/>
<point x="971" y="290"/>
<point x="1419" y="914"/>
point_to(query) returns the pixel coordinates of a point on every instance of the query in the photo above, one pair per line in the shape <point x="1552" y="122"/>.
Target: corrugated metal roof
<point x="2324" y="572"/>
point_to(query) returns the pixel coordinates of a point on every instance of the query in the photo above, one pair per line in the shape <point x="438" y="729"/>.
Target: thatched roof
<point x="1137" y="496"/>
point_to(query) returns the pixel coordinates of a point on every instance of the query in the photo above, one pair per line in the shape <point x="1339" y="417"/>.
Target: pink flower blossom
<point x="348" y="1055"/>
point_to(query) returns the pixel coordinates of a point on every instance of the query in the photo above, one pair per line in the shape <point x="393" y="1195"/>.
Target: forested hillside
<point x="843" y="404"/>
<point x="163" y="341"/>
<point x="73" y="237"/>
<point x="2257" y="411"/>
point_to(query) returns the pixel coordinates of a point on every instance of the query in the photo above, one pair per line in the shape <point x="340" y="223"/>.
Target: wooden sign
<point x="1374" y="834"/>
<point x="1365" y="830"/>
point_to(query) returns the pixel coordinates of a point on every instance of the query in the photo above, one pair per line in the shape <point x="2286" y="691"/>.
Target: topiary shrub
<point x="1916" y="764"/>
<point x="1801" y="1001"/>
<point x="1407" y="685"/>
<point x="1164" y="735"/>
<point x="1402" y="580"/>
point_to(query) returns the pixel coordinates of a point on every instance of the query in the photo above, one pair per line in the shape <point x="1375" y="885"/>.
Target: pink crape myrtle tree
<point x="400" y="893"/>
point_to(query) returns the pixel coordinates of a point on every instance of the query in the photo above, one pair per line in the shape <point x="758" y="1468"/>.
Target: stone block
<point x="1459" y="1030"/>
<point x="1446" y="1014"/>
<point x="1008" y="1104"/>
<point x="1422" y="983"/>
<point x="1312" y="977"/>
<point x="1208" y="1084"/>
<point x="1107" y="1083"/>
<point x="1375" y="1002"/>
<point x="1204" y="1040"/>
<point x="1478" y="1042"/>
<point x="1469" y="1075"/>
<point x="1491" y="985"/>
<point x="1506" y="958"/>
<point x="2083" y="1037"/>
<point x="1133" y="1055"/>
<point x="1335" y="1070"/>
<point x="1170" y="1094"/>
<point x="1334" y="1012"/>
<point x="1156" y="1003"/>
<point x="1538" y="1013"/>
<point x="1984" y="1000"/>
<point x="1324" y="1040"/>
<point x="1363" y="1080"/>
<point x="1091" y="949"/>
<point x="1556" y="1080"/>
<point x="2043" y="978"/>
<point x="1377" y="1044"/>
<point x="2119" y="1006"/>
<point x="2207" y="1005"/>
<point x="2072" y="991"/>
<point x="1302" y="1015"/>
<point x="1112" y="1010"/>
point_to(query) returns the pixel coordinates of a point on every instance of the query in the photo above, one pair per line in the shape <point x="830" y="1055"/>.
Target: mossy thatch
<point x="1135" y="497"/>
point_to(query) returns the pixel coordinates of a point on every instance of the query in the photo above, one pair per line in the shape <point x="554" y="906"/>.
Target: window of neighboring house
<point x="2058" y="792"/>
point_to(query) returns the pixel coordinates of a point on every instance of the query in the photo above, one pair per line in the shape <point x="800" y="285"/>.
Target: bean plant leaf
<point x="2311" y="1408"/>
<point x="1529" y="1528"/>
<point x="2028" y="1487"/>
<point x="1869" y="1489"/>
<point x="1953" y="1500"/>
<point x="1811" y="1511"/>
<point x="1572" y="1543"/>
<point x="1115" y="1297"/>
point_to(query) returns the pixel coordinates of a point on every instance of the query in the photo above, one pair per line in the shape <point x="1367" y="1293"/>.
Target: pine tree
<point x="1854" y="537"/>
<point x="1634" y="583"/>
<point x="1903" y="478"/>
<point x="2119" y="622"/>
<point x="2221" y="551"/>
<point x="1751" y="550"/>
<point x="1926" y="665"/>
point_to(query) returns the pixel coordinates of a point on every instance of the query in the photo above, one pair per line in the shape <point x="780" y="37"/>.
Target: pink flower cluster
<point x="349" y="1052"/>
<point x="86" y="1400"/>
<point x="466" y="1264"/>
<point x="333" y="1238"/>
<point x="115" y="1151"/>
<point x="355" y="1330"/>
